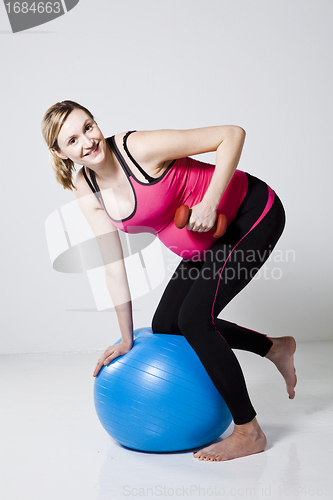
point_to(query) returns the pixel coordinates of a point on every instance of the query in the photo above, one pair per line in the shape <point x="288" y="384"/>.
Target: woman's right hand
<point x="111" y="353"/>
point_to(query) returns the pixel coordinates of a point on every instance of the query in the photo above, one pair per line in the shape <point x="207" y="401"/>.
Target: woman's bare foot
<point x="245" y="440"/>
<point x="282" y="355"/>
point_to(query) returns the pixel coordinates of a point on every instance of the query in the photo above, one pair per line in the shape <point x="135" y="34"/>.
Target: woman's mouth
<point x="93" y="151"/>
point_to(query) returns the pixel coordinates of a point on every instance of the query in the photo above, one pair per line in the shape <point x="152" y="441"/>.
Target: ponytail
<point x="64" y="170"/>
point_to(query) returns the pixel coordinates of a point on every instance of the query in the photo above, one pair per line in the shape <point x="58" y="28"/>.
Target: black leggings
<point x="199" y="290"/>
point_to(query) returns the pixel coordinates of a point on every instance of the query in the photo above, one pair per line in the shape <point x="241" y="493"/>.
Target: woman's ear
<point x="54" y="151"/>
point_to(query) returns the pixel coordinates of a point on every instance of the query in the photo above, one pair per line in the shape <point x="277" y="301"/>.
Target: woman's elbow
<point x="236" y="129"/>
<point x="238" y="134"/>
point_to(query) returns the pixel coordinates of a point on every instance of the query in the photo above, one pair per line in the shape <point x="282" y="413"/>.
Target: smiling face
<point x="81" y="140"/>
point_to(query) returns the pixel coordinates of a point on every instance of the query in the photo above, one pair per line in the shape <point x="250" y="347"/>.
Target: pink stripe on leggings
<point x="271" y="196"/>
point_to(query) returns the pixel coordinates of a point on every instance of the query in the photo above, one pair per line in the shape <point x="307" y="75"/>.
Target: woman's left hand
<point x="202" y="219"/>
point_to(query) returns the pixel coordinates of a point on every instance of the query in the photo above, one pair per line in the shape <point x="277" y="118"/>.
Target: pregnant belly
<point x="189" y="245"/>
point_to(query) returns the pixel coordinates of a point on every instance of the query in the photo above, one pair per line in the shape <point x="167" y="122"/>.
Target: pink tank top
<point x="185" y="181"/>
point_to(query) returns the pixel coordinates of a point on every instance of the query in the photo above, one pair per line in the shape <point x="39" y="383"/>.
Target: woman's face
<point x="81" y="140"/>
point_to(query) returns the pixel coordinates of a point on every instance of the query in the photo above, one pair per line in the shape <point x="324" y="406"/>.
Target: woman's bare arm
<point x="115" y="272"/>
<point x="157" y="146"/>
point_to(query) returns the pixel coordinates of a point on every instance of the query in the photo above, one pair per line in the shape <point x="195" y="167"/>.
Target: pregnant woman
<point x="135" y="181"/>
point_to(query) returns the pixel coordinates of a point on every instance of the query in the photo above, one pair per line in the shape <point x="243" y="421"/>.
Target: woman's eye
<point x="72" y="141"/>
<point x="88" y="127"/>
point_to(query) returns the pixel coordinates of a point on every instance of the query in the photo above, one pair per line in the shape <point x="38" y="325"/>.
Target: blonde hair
<point x="52" y="122"/>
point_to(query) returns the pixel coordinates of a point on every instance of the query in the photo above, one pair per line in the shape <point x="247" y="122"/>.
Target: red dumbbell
<point x="183" y="214"/>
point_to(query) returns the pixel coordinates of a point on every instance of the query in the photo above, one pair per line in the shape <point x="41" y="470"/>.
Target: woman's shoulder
<point x="136" y="143"/>
<point x="144" y="145"/>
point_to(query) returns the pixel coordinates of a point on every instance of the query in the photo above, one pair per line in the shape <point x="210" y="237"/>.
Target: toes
<point x="207" y="455"/>
<point x="200" y="456"/>
<point x="200" y="453"/>
<point x="212" y="458"/>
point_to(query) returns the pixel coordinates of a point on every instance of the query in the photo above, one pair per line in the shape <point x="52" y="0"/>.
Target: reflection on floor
<point x="53" y="446"/>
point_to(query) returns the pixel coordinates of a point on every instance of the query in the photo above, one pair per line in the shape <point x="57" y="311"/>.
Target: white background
<point x="265" y="65"/>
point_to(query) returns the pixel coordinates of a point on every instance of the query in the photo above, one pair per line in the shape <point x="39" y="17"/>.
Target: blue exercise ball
<point x="158" y="396"/>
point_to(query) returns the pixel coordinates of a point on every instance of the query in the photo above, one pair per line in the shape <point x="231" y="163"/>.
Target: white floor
<point x="53" y="446"/>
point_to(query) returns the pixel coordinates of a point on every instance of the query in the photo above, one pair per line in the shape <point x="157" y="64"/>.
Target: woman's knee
<point x="157" y="323"/>
<point x="161" y="323"/>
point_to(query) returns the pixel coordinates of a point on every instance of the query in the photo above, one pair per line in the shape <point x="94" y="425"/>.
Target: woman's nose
<point x="87" y="143"/>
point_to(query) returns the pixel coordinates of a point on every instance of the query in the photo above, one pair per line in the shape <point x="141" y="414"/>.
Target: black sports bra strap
<point x="119" y="156"/>
<point x="147" y="176"/>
